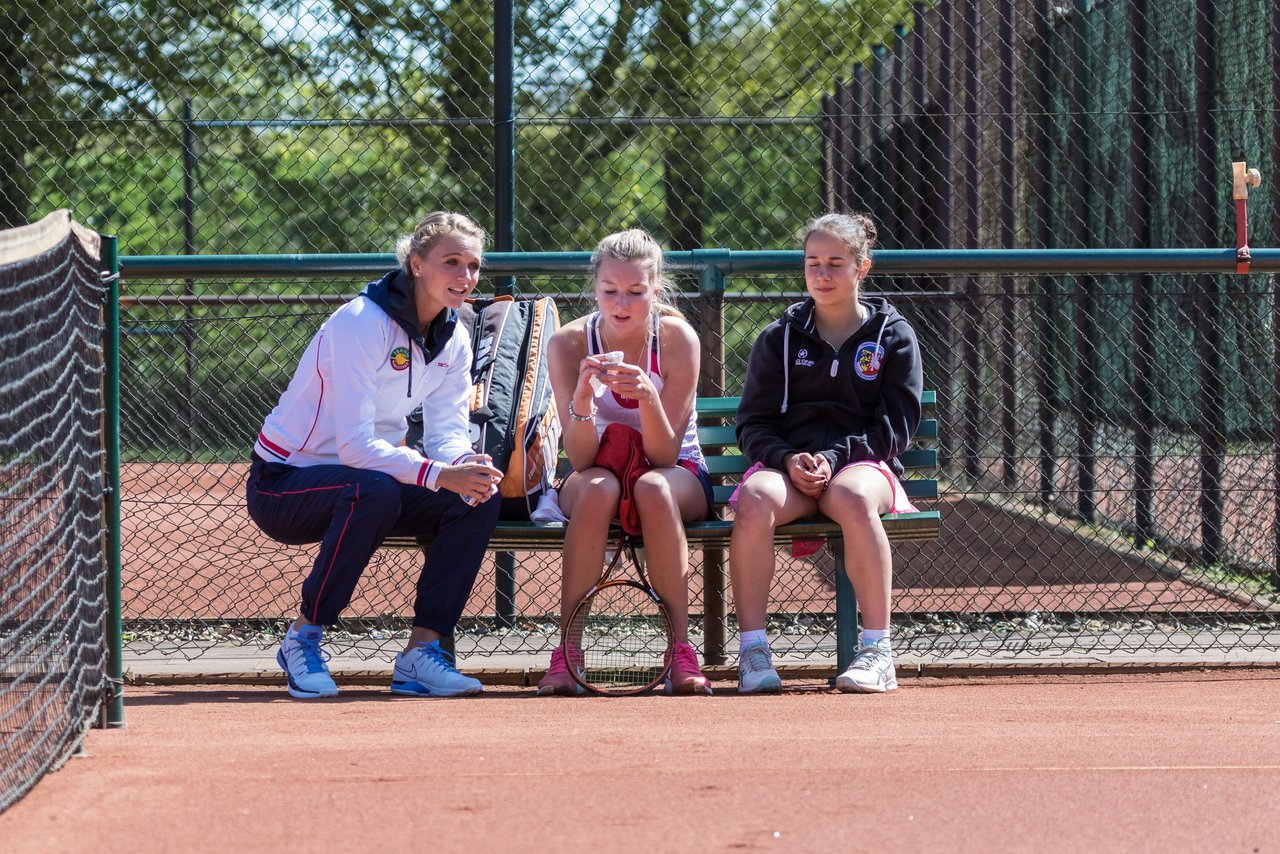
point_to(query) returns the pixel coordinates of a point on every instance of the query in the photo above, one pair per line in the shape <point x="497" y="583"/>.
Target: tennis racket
<point x="619" y="638"/>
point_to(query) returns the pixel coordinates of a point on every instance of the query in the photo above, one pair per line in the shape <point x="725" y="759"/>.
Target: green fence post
<point x="1275" y="302"/>
<point x="846" y="609"/>
<point x="504" y="146"/>
<point x="1212" y="424"/>
<point x="711" y="286"/>
<point x="504" y="135"/>
<point x="114" y="701"/>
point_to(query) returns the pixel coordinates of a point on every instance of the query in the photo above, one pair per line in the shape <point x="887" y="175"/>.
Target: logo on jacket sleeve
<point x="400" y="358"/>
<point x="866" y="363"/>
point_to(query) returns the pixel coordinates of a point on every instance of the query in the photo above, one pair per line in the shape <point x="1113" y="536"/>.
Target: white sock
<point x="876" y="637"/>
<point x="746" y="639"/>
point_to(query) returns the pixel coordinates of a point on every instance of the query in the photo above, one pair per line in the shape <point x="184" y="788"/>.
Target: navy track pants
<point x="350" y="512"/>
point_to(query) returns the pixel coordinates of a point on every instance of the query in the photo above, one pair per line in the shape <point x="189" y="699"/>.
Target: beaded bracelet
<point x="576" y="417"/>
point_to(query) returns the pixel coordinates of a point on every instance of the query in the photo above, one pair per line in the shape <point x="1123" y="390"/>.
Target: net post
<point x="114" y="700"/>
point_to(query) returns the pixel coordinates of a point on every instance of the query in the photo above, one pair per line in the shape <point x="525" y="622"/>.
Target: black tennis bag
<point x="513" y="411"/>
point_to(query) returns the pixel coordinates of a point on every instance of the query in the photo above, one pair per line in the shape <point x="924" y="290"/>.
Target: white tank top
<point x="612" y="409"/>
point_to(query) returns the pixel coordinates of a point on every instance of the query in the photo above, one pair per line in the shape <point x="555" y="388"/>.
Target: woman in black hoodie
<point x="831" y="399"/>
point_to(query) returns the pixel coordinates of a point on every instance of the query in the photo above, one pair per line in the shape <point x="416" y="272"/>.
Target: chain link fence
<point x="1069" y="527"/>
<point x="1108" y="442"/>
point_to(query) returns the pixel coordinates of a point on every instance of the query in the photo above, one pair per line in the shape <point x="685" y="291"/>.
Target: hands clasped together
<point x="809" y="473"/>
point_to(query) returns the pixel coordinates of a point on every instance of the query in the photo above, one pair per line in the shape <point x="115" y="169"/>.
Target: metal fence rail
<point x="1077" y="519"/>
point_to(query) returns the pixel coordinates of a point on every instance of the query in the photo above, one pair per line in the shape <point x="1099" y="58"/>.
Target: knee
<point x="852" y="505"/>
<point x="652" y="493"/>
<point x="487" y="511"/>
<point x="601" y="493"/>
<point x="377" y="494"/>
<point x="755" y="508"/>
<point x="597" y="499"/>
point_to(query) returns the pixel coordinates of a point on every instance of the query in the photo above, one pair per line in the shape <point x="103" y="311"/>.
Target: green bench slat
<point x="904" y="527"/>
<point x="729" y="464"/>
<point x="727" y="406"/>
<point x="915" y="487"/>
<point x="722" y="435"/>
<point x="716" y="436"/>
<point x="531" y="536"/>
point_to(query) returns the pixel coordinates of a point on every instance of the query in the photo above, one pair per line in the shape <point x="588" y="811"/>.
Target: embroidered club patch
<point x="803" y="360"/>
<point x="866" y="363"/>
<point x="400" y="358"/>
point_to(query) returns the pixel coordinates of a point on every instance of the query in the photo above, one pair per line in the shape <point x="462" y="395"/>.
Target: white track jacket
<point x="359" y="378"/>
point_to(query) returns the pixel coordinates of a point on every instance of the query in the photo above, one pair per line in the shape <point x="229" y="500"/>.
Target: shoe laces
<point x="871" y="658"/>
<point x="755" y="658"/>
<point x="312" y="655"/>
<point x="560" y="662"/>
<point x="684" y="658"/>
<point x="437" y="655"/>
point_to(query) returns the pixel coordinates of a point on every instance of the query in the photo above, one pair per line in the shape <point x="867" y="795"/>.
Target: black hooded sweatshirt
<point x="860" y="403"/>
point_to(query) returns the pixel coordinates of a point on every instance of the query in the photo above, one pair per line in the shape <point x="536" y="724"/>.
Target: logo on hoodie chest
<point x="803" y="360"/>
<point x="866" y="362"/>
<point x="400" y="358"/>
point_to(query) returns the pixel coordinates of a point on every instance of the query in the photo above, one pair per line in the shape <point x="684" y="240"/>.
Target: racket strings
<point x="619" y="639"/>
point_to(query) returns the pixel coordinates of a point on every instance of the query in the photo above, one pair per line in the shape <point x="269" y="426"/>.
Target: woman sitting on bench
<point x="645" y="357"/>
<point x="328" y="466"/>
<point x="830" y="399"/>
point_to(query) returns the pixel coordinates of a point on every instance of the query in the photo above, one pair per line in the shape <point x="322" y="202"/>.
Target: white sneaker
<point x="755" y="670"/>
<point x="303" y="663"/>
<point x="428" y="671"/>
<point x="870" y="673"/>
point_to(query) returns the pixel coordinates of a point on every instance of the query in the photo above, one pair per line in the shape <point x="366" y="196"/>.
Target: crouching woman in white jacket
<point x="329" y="467"/>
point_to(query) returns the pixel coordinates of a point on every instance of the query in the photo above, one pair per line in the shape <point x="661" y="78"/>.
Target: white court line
<point x="1119" y="768"/>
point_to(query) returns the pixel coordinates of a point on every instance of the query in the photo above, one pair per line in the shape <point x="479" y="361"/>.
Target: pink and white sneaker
<point x="558" y="679"/>
<point x="685" y="677"/>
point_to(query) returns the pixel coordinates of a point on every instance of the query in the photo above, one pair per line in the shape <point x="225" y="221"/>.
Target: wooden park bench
<point x="726" y="464"/>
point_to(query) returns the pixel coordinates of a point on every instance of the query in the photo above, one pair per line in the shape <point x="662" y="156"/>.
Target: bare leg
<point x="665" y="499"/>
<point x="855" y="500"/>
<point x="765" y="501"/>
<point x="590" y="500"/>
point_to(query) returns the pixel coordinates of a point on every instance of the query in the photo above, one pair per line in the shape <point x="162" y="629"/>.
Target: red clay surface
<point x="1186" y="761"/>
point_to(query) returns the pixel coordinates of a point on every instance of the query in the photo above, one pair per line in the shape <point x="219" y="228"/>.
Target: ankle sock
<point x="876" y="637"/>
<point x="746" y="639"/>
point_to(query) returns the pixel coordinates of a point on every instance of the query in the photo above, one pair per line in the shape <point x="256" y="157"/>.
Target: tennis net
<point x="52" y="558"/>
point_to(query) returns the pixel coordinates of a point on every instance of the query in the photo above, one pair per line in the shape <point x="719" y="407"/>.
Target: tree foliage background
<point x="332" y="126"/>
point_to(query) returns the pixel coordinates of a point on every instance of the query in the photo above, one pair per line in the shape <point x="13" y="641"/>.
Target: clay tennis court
<point x="1110" y="762"/>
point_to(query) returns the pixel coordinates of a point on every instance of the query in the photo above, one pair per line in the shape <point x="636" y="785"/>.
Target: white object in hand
<point x="613" y="357"/>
